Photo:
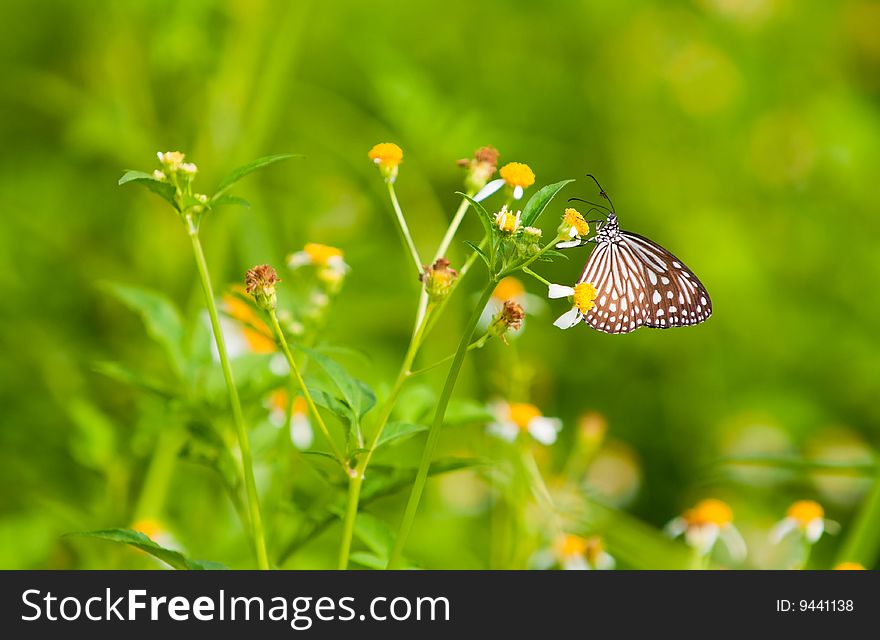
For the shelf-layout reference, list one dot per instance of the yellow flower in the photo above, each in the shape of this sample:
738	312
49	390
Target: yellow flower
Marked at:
256	334
573	227
171	160
508	288
849	566
438	279
387	156
577	552
516	417
149	527
806	516
322	254
583	294
507	221
517	174
704	524
328	260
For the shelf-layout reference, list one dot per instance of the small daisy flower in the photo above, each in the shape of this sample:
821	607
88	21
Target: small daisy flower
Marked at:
517	176
387	156
704	524
301	433
329	262
806	517
575	552
170	160
515	417
480	168
573	227
849	566
508	221
583	295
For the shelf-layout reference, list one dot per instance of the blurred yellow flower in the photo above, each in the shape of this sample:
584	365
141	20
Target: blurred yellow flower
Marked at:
576	552
849	566
508	288
301	433
806	516
517	176
704	524
255	332
513	418
387	156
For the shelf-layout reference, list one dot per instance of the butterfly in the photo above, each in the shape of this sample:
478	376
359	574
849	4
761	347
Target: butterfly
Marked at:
638	283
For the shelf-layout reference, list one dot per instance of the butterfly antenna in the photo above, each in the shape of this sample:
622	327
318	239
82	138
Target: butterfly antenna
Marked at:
602	192
594	204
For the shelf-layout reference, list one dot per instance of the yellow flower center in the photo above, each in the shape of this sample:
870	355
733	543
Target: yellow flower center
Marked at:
300	406
279	400
569	545
804	512
584	295
386	154
517	174
321	254
507	221
710	511
574	219
522	413
849	566
508	288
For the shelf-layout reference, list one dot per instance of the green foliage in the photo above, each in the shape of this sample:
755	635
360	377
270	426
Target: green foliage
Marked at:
538	202
240	172
174	559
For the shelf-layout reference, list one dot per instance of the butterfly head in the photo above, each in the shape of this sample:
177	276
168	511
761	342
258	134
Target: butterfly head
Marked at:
607	231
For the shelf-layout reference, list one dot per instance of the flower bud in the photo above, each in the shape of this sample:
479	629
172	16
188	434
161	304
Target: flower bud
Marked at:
510	318
480	168
260	282
438	279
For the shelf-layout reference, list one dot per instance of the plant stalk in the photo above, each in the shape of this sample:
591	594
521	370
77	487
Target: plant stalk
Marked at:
253	503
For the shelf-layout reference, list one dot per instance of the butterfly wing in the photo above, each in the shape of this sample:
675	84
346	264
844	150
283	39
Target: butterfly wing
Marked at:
639	283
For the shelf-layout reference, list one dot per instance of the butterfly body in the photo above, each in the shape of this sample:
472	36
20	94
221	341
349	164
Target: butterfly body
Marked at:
640	284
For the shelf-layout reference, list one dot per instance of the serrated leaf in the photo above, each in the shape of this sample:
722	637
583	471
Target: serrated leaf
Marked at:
163	189
175	559
538	202
354	392
394	432
237	174
160	316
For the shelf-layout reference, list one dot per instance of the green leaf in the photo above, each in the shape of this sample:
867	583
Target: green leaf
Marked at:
394	432
484	216
231	200
94	441
374	533
119	373
478	251
161	318
165	190
175	559
355	393
237	174
538	202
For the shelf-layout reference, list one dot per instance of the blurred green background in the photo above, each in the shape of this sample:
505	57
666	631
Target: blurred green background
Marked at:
741	134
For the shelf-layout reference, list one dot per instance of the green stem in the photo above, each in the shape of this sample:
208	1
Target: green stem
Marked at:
294	369
862	545
155	487
404	229
256	521
434	432
541	279
453	228
525	264
355	481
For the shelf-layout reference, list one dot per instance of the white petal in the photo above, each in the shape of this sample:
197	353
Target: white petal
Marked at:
675	527
276	416
604	562
734	542
337	263
298	259
782	529
575	563
491	187
814	530
278	365
568	245
702	537
504	430
301	431
573	233
559	291
517	192
544	429
568	319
